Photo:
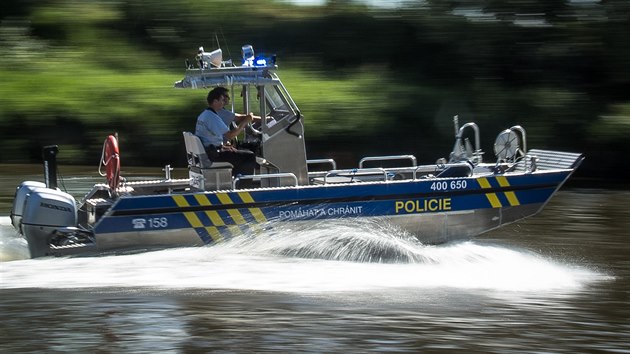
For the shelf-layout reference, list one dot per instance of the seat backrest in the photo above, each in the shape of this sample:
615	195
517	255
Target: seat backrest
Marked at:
197	156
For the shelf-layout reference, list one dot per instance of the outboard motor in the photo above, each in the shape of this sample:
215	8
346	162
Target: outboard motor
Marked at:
49	153
45	211
39	209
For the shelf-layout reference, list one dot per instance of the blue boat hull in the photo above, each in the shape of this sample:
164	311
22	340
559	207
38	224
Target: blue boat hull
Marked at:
434	210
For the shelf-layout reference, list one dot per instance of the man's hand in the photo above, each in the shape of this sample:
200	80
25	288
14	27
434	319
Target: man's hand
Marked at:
227	147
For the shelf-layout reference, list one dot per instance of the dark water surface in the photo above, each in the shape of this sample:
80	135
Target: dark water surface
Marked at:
555	283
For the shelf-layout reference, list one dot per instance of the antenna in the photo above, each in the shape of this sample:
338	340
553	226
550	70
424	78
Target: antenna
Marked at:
225	40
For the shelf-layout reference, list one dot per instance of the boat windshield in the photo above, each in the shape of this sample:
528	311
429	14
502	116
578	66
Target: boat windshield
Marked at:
278	105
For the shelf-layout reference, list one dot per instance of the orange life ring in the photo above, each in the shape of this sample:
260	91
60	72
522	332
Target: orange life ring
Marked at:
111	161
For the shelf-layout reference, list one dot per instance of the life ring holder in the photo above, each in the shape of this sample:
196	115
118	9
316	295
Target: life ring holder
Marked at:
110	158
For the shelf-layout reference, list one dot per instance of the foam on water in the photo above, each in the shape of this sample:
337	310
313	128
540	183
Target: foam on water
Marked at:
319	259
12	247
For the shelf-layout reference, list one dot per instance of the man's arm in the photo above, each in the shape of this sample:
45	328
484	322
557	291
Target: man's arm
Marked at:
244	120
238	117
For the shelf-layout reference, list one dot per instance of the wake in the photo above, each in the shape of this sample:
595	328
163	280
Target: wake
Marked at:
330	258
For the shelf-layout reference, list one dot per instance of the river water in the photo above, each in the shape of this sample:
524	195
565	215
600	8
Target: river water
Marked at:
555	283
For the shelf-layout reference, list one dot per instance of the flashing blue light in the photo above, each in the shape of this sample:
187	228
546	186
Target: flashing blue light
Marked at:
258	61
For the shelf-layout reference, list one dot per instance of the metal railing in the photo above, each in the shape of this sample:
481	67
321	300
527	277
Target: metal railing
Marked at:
332	162
388	158
354	172
265	176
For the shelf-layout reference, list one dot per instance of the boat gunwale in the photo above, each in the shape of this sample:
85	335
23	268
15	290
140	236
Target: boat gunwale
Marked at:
328	200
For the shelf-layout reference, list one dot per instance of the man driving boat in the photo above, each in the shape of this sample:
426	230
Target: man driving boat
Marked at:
215	135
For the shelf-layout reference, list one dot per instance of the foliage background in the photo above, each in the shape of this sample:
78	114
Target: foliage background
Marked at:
369	81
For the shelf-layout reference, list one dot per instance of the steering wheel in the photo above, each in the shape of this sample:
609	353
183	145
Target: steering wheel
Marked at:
251	130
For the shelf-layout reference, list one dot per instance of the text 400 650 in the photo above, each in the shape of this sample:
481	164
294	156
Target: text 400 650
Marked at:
444	185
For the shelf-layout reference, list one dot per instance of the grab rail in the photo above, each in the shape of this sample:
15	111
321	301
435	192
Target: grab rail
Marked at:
461	149
332	162
389	158
265	176
357	172
523	136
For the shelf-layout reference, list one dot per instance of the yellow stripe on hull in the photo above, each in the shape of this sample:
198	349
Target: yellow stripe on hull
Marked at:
493	198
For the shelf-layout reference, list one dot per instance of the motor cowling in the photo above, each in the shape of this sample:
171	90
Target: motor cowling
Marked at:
44	211
22	191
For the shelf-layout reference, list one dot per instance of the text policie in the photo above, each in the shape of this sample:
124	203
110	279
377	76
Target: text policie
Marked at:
421	206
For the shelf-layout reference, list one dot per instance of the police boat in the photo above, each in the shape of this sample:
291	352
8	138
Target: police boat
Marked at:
452	199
